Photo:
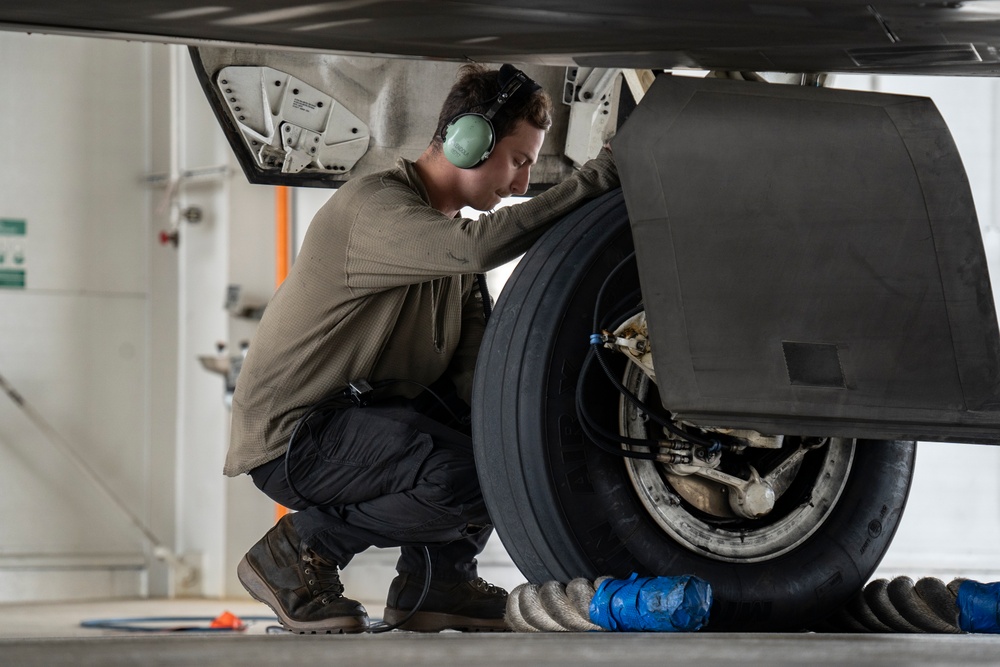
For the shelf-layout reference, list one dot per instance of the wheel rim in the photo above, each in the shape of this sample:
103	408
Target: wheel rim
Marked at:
734	540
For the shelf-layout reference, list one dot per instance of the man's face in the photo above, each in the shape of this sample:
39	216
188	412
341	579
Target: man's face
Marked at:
507	169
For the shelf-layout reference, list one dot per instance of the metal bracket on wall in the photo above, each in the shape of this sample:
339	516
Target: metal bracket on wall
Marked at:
173	183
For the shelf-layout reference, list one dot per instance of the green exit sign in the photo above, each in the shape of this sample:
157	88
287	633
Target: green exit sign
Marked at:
13	227
12	278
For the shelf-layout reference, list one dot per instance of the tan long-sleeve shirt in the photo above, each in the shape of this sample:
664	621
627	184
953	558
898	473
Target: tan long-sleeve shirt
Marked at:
383	288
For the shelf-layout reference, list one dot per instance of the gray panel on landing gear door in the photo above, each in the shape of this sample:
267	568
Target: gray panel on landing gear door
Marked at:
811	262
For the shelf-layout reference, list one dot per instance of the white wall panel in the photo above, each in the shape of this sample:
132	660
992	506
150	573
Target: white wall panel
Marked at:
75	136
74	342
202	264
251	266
162	333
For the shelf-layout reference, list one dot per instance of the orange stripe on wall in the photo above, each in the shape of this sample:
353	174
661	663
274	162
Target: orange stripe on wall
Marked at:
282	255
282	232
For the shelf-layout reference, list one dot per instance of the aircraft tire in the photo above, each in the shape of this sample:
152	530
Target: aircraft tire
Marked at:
564	508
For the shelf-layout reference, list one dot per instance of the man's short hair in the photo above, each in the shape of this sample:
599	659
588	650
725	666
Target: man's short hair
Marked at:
477	88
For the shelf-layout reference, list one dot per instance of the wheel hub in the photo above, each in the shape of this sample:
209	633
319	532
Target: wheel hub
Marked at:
719	505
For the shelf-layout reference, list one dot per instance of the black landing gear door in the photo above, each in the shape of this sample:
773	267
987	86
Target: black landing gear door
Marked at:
811	262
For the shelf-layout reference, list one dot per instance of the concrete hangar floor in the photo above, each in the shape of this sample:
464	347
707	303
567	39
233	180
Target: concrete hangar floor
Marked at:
51	634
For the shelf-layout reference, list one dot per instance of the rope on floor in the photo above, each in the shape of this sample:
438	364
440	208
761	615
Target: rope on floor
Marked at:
552	607
897	605
900	605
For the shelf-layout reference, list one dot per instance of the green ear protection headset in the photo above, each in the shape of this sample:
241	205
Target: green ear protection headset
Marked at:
469	138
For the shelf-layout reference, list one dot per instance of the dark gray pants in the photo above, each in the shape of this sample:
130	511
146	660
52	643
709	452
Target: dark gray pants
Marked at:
383	475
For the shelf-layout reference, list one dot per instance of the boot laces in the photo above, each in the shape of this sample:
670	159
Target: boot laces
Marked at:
486	587
322	578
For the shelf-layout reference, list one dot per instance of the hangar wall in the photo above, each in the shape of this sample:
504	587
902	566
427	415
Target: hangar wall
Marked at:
100	324
74	340
102	338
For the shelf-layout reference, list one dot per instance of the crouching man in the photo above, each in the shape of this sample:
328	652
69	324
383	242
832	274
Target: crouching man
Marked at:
385	298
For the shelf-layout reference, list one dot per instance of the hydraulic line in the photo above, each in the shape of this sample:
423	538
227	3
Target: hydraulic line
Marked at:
609	322
613	442
663	421
607	440
607	281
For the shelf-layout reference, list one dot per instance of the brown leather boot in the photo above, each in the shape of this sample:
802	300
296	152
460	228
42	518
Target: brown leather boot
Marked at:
302	589
469	606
